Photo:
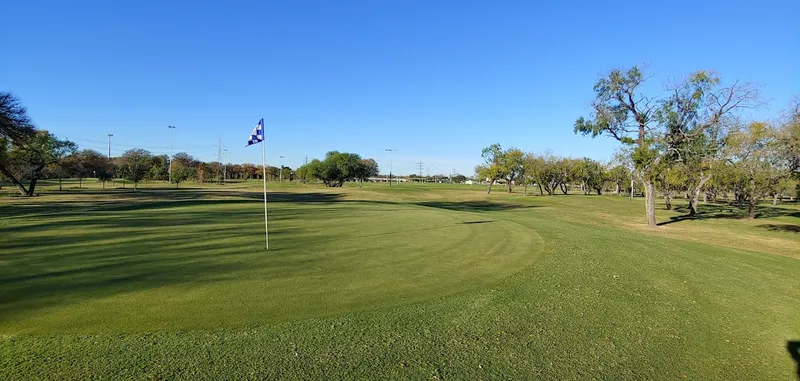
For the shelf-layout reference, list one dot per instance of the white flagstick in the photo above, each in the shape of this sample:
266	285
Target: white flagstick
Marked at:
264	176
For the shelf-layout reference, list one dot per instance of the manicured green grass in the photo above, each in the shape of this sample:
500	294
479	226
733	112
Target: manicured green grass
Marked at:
414	281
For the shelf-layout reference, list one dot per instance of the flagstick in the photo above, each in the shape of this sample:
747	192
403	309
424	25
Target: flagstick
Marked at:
264	176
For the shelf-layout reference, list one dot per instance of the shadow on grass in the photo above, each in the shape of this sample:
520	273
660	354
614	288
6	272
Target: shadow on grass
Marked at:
473	206
728	211
794	350
153	199
66	250
781	227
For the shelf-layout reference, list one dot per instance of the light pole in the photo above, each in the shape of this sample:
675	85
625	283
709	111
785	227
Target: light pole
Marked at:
280	176
170	152
391	151
109	145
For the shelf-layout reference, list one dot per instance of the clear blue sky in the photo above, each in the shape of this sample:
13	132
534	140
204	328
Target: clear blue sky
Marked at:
436	80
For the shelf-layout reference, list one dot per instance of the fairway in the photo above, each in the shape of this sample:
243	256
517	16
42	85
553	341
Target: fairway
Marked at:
416	281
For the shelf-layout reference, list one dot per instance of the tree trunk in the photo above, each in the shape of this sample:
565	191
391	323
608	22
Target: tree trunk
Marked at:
694	194
564	188
489	189
508	183
598	191
705	197
775	199
617	189
134	185
751	209
693	199
104	184
22	190
650	202
540	190
32	185
525	192
667	201
59	183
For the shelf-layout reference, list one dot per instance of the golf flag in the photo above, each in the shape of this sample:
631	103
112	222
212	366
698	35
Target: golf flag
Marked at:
257	136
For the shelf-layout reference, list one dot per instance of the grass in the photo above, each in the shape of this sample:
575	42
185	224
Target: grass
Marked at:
413	281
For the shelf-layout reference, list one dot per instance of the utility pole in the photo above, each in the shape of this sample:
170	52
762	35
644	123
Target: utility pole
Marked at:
219	160
170	152
109	145
280	176
391	158
225	165
420	168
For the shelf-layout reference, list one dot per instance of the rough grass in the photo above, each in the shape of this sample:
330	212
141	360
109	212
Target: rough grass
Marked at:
416	281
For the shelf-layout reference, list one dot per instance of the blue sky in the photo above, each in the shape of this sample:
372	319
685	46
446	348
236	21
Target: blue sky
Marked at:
436	80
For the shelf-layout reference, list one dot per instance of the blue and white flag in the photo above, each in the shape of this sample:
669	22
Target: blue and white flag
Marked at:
257	136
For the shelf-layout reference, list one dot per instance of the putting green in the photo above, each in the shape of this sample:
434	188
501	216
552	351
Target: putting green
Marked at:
147	266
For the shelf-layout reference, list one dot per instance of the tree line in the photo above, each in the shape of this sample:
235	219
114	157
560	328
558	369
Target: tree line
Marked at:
691	139
29	154
551	174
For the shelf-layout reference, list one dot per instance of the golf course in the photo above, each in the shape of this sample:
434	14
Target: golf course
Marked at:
412	281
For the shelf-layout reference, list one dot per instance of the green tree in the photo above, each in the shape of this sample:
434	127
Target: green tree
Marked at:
15	125
57	171
789	137
513	166
565	172
620	176
549	174
181	171
757	165
660	127
304	173
590	173
29	156
73	167
105	173
159	168
14	121
135	165
670	178
459	178
532	170
337	168
492	169
86	163
367	168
